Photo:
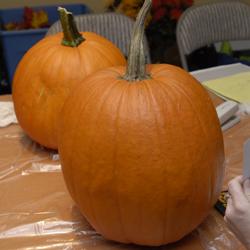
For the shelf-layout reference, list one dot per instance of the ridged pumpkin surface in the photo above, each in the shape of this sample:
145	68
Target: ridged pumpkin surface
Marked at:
142	160
47	74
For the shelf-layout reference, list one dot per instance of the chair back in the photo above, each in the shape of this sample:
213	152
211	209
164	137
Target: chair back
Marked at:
209	23
115	27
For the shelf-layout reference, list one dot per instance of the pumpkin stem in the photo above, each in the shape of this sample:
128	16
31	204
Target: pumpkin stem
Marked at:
72	37
136	67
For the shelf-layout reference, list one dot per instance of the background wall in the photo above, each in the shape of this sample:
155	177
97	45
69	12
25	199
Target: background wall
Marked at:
95	5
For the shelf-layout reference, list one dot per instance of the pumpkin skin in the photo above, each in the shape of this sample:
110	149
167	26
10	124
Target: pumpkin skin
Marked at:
46	75
142	160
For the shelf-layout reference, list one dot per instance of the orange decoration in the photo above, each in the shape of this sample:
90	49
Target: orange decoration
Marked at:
142	149
50	70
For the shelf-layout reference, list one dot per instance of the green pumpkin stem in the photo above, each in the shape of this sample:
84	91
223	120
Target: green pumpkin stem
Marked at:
72	37
136	67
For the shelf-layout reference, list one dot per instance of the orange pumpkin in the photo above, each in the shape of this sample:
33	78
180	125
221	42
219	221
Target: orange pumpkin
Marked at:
50	70
142	154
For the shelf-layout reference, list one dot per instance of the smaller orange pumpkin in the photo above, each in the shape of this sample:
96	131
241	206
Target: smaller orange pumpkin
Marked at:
50	70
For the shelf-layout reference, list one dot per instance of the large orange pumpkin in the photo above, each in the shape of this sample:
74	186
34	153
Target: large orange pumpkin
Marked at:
50	70
142	150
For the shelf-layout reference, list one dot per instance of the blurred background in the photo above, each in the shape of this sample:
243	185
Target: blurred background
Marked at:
25	22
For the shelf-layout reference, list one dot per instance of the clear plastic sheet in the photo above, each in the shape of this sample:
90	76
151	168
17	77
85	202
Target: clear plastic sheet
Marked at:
36	211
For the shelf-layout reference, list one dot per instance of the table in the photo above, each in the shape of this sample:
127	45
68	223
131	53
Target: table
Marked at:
36	211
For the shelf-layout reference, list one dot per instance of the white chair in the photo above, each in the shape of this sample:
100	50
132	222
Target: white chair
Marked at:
209	23
115	27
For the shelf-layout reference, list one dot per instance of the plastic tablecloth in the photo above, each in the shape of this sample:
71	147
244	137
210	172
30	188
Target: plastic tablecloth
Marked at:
36	211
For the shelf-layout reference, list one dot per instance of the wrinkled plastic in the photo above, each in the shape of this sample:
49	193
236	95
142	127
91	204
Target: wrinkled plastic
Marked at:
215	236
36	211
